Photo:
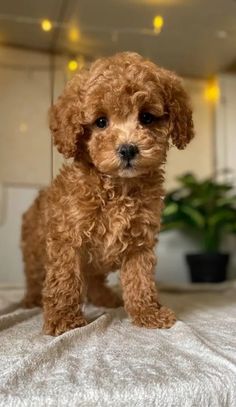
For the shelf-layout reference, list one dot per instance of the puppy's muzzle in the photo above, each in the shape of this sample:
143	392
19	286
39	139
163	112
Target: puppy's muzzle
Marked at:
128	152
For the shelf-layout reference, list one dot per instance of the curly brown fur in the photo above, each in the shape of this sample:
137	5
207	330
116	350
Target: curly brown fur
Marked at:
102	212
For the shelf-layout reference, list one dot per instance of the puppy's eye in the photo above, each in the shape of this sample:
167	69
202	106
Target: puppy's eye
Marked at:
102	122
146	118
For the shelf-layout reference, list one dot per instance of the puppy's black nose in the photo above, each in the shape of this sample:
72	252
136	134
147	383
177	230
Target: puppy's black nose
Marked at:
128	151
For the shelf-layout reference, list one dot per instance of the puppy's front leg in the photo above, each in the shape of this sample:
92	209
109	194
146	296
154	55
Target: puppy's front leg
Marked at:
140	293
64	289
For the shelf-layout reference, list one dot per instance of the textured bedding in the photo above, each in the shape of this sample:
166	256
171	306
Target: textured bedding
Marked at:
112	363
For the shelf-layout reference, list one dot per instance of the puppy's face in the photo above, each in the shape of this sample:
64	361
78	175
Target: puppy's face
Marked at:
128	125
123	111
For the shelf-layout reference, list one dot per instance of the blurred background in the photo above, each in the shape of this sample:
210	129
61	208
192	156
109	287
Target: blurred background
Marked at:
43	43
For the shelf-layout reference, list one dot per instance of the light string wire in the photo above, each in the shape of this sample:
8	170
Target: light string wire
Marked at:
86	29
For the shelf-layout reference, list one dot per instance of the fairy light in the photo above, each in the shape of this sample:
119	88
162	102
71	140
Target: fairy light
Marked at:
212	91
75	64
74	34
158	23
72	65
46	25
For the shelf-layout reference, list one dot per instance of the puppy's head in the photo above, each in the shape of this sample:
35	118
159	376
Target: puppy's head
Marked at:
121	115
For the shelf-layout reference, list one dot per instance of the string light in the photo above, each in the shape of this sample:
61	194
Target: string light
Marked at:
74	34
72	65
158	23
46	25
212	91
76	64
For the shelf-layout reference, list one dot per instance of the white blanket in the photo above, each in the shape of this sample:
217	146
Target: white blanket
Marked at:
113	363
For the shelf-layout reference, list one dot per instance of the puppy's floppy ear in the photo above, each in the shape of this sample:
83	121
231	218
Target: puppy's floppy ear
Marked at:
65	116
179	110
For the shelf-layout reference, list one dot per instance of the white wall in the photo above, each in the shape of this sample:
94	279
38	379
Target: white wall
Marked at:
25	97
225	124
25	147
18	199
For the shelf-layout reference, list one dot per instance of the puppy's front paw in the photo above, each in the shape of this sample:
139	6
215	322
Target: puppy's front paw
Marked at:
57	328
153	317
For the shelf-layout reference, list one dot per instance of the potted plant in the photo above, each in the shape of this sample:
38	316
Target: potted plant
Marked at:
206	210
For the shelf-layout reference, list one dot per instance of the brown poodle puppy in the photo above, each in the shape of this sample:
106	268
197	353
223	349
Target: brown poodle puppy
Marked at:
102	212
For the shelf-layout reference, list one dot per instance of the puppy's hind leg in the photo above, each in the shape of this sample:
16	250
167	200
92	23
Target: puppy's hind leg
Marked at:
33	249
33	267
99	294
35	275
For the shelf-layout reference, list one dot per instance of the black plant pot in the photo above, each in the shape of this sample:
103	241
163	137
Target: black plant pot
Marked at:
208	267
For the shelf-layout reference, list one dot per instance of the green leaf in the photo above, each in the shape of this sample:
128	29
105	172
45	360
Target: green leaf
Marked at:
227	200
170	209
195	216
206	208
222	216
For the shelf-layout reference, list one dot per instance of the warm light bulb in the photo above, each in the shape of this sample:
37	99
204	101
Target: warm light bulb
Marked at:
46	25
72	65
212	92
158	23
74	34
